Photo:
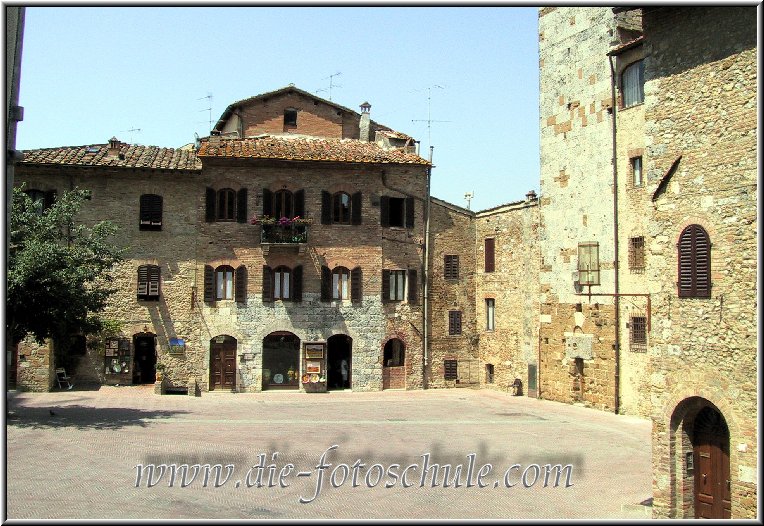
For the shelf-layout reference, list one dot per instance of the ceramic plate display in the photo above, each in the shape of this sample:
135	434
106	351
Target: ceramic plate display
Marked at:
278	378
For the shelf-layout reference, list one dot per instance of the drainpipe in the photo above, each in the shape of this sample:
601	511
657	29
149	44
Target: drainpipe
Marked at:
426	309
616	297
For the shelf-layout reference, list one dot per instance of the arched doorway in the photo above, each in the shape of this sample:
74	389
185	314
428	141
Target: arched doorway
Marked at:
711	459
394	364
281	361
144	358
339	362
223	362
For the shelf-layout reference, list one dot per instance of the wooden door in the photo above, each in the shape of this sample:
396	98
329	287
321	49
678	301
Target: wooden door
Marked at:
712	473
223	365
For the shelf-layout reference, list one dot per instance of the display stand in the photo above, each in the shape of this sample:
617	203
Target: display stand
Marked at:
314	367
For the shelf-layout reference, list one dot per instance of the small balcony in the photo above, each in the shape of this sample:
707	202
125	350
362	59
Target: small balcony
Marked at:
284	234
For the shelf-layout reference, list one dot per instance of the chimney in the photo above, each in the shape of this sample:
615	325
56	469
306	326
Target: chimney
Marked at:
114	146
365	123
530	196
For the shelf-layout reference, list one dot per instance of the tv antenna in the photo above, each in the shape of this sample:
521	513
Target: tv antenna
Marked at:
130	131
468	197
209	99
331	84
429	119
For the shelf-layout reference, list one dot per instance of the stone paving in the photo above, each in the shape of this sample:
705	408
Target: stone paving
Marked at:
80	462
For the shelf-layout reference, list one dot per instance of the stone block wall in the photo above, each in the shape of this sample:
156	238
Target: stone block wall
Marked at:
701	89
35	368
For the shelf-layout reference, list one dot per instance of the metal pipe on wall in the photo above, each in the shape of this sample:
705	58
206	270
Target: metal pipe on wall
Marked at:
616	297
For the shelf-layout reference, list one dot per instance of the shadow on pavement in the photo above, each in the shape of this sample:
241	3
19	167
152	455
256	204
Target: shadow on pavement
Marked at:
83	417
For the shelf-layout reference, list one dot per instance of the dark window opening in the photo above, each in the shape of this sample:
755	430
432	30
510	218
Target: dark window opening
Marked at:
283	204
396	211
489	373
454	322
451	267
450	369
150	212
490	254
226	205
341	208
394	353
290	117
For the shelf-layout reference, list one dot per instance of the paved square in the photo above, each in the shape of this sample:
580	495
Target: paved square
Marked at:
81	461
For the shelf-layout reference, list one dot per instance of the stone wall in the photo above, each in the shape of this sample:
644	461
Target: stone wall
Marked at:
35	368
701	92
512	344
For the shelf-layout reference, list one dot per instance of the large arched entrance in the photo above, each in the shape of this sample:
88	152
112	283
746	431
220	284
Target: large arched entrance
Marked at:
144	358
223	363
711	458
281	361
339	361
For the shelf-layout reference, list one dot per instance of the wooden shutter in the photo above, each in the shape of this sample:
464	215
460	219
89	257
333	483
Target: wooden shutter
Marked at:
385	286
151	210
409	212
326	284
356	285
209	214
384	210
413	287
326	208
454	322
267	284
154	279
297	283
490	254
355	208
299	203
241	206
209	284
450	370
267	202
451	267
694	263
241	284
143	280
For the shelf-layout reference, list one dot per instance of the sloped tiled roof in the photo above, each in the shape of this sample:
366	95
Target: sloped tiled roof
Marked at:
129	156
307	149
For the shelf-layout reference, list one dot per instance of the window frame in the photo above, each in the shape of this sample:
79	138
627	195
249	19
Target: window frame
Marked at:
283	199
640	87
585	251
290	117
338	218
454	323
341	283
397	283
638	333
281	276
226	291
637	254
490	314
633	162
225	201
451	267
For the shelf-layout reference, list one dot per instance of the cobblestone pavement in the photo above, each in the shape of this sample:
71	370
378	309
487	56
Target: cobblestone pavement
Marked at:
80	462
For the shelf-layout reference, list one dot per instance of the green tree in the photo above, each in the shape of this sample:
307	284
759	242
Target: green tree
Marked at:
58	270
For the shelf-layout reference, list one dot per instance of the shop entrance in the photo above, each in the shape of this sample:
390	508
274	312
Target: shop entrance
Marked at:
223	363
339	361
144	359
281	361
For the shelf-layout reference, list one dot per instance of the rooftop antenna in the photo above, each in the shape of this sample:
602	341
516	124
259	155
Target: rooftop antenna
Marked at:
468	197
331	84
130	131
429	120
209	98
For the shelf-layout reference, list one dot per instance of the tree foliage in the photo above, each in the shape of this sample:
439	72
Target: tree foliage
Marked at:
58	270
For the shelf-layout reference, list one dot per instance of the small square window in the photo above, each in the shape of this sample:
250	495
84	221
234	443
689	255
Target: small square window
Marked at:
290	117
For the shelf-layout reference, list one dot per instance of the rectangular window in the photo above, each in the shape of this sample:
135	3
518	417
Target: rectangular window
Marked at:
290	117
397	284
454	322
397	210
490	256
588	263
150	212
638	333
490	307
637	254
636	171
340	278
633	84
450	370
148	282
451	267
224	283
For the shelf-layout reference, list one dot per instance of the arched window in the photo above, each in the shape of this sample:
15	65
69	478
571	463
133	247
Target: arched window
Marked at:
340	281
226	205
283	204
282	283
694	263
224	283
341	208
395	353
633	84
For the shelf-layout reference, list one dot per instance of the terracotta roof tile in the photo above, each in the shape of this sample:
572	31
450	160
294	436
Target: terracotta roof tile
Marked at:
307	149
129	156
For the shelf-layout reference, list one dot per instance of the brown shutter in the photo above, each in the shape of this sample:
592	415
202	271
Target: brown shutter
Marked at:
297	283
241	284
267	284
694	263
143	280
356	289
385	286
241	206
154	279
355	208
209	215
490	254
267	202
413	287
209	284
384	210
702	250
299	203
326	208
409	212
326	284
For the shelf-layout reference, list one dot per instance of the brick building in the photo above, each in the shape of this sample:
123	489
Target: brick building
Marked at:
648	237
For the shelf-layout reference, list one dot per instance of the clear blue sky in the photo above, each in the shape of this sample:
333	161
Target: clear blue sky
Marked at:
90	73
